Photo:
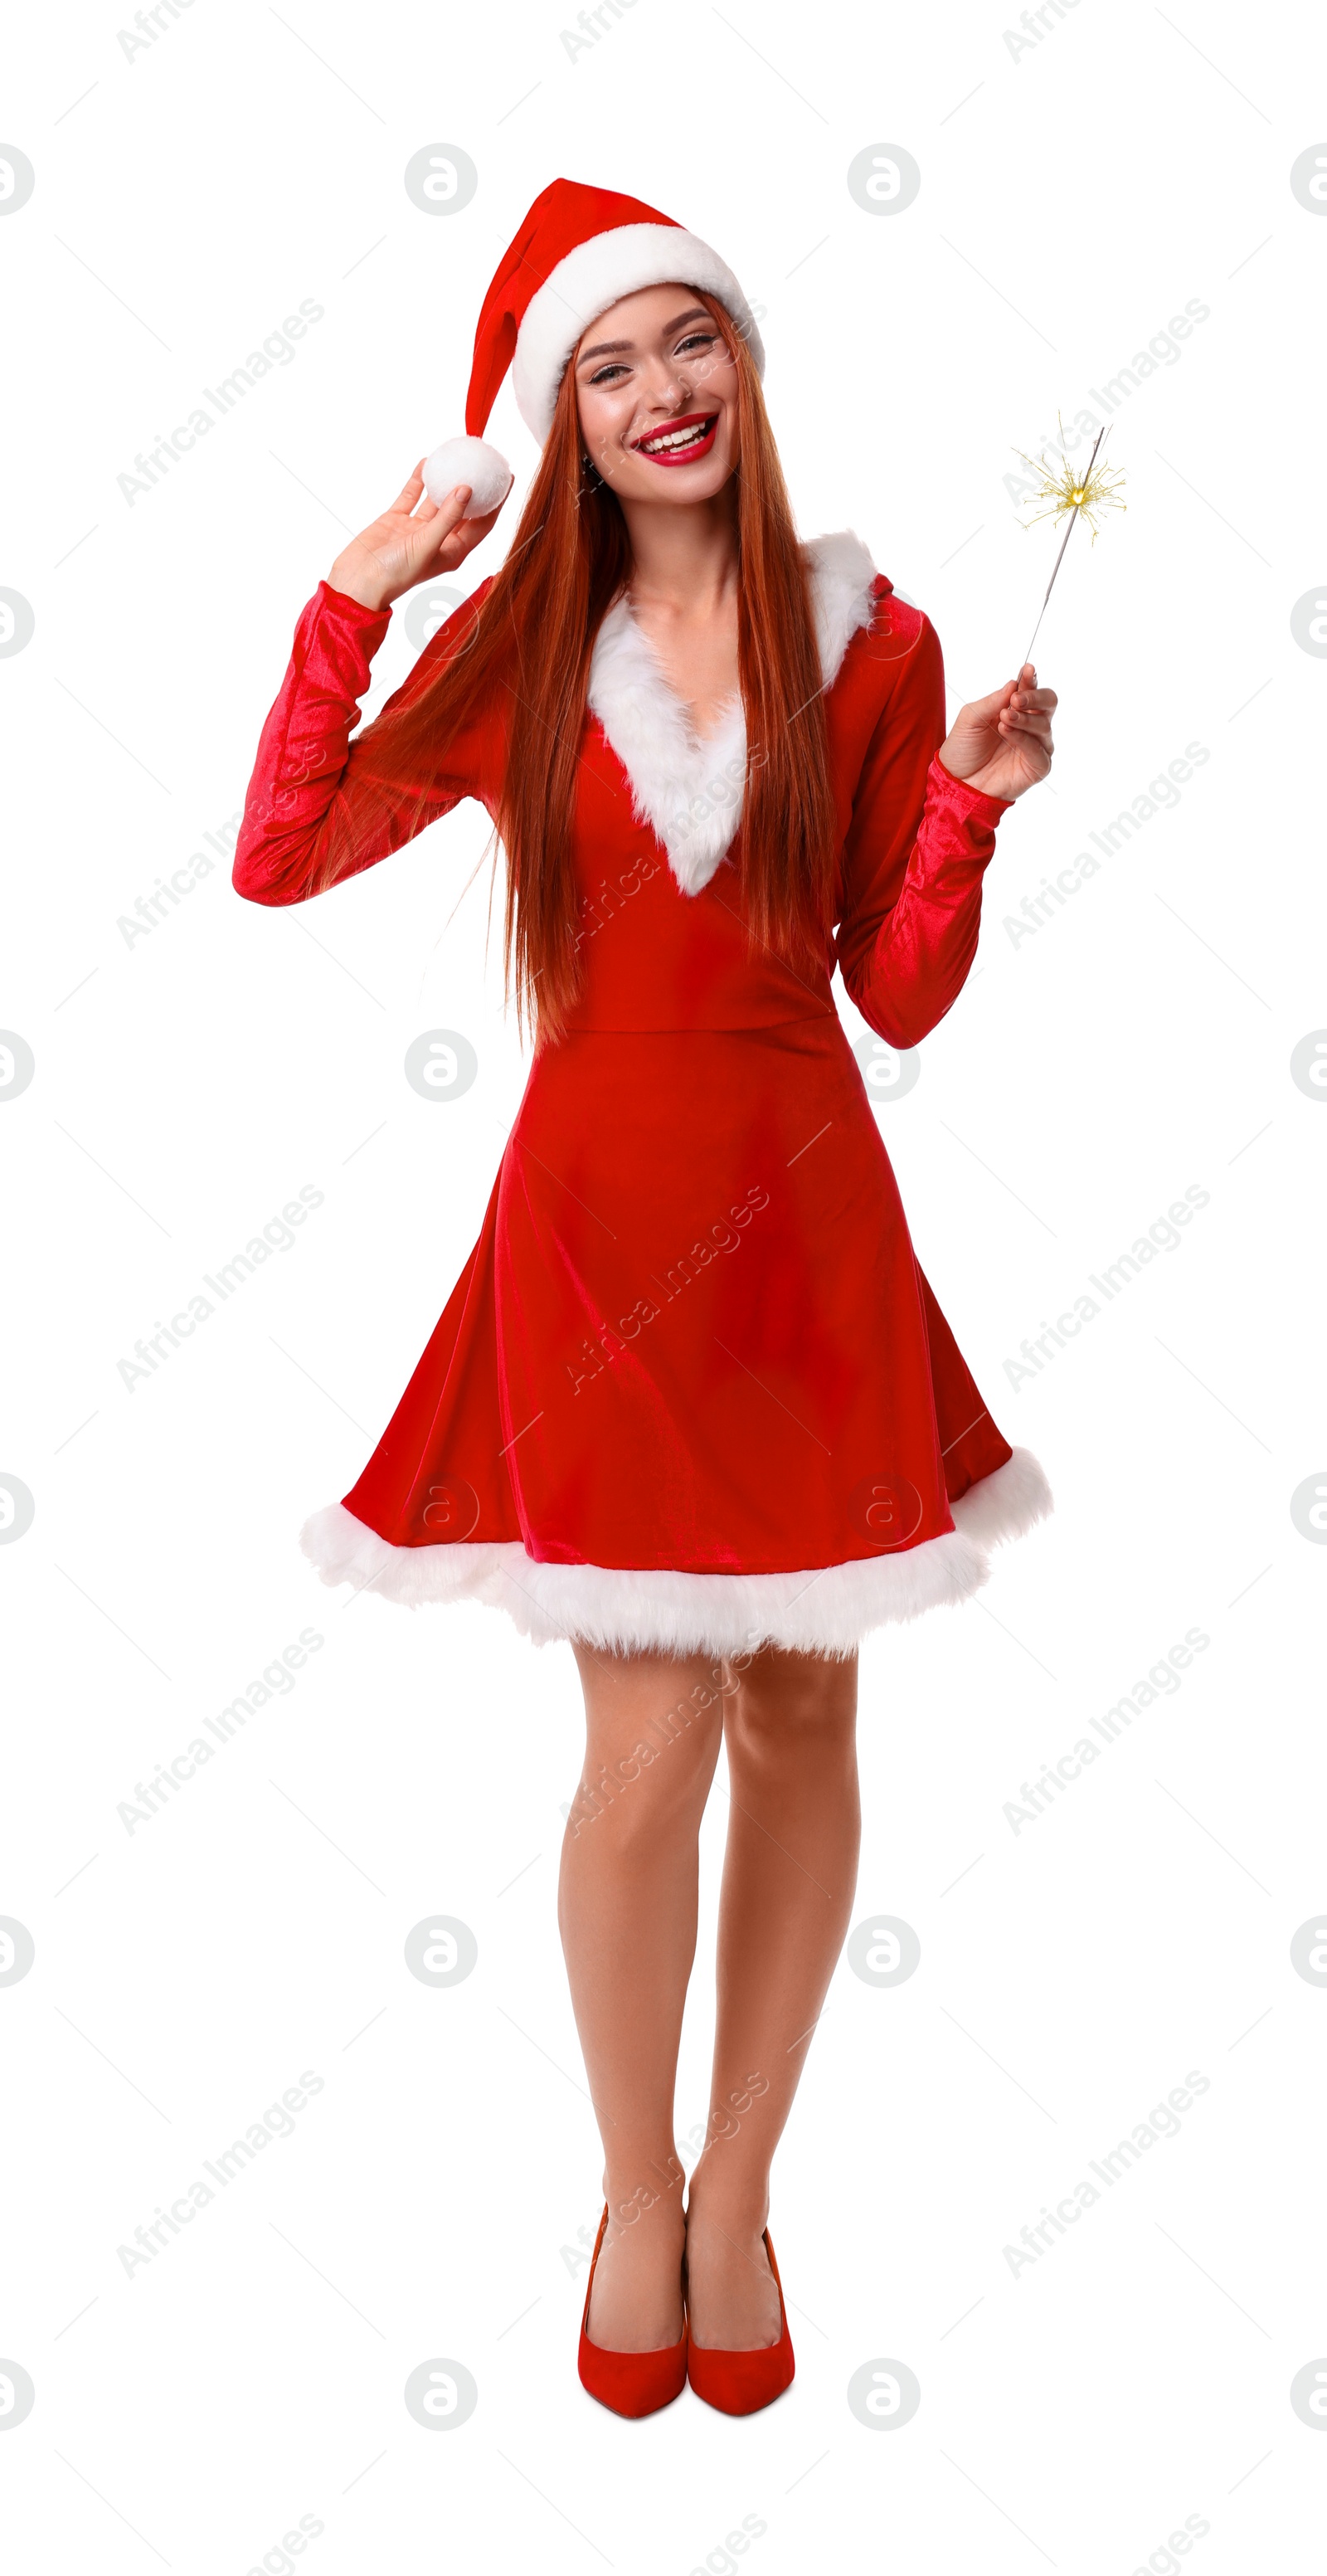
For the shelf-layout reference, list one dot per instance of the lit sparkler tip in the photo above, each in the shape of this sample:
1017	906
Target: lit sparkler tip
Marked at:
1071	495
1064	490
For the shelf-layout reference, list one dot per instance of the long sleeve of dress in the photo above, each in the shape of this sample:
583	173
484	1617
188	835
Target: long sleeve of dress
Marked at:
914	858
319	807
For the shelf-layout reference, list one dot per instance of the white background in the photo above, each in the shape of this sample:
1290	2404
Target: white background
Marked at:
1074	196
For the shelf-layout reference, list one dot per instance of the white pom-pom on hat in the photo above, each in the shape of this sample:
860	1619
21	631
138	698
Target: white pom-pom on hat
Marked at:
472	461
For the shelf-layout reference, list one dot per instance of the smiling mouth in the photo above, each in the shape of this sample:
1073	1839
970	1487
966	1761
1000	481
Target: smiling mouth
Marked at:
678	442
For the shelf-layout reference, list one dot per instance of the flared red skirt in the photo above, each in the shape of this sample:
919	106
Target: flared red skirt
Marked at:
691	1391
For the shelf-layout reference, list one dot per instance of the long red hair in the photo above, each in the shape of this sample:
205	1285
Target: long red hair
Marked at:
531	642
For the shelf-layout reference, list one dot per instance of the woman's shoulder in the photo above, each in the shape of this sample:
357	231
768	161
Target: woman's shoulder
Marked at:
864	626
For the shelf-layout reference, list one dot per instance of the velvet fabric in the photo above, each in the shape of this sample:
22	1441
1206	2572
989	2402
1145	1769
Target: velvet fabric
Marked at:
693	1335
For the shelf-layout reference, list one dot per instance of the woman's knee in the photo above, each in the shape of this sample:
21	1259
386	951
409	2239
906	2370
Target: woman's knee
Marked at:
783	1700
647	1796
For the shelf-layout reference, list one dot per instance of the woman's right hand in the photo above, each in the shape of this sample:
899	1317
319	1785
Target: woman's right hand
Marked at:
411	542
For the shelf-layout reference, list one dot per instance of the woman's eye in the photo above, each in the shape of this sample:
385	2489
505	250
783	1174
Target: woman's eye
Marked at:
606	375
695	340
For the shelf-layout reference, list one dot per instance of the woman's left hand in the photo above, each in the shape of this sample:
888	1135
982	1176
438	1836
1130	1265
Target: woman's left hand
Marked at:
1002	744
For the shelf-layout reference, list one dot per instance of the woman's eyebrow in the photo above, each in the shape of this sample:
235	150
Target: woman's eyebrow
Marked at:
614	348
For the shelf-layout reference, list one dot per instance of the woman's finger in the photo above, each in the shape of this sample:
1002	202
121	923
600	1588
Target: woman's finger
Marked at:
410	492
462	540
983	710
483	525
454	504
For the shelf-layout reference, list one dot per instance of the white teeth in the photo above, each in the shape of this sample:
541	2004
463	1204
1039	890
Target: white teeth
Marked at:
678	437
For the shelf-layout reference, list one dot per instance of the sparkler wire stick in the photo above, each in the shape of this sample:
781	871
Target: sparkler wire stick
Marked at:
1067	535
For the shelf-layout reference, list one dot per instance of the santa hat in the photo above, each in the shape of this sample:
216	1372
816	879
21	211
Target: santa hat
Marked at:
578	251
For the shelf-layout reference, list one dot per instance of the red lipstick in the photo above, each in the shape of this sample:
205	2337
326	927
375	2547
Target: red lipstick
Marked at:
691	436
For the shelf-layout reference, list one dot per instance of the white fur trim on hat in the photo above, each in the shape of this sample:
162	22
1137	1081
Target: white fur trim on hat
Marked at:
472	461
599	273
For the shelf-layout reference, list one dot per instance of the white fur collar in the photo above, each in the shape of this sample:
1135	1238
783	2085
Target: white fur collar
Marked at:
689	789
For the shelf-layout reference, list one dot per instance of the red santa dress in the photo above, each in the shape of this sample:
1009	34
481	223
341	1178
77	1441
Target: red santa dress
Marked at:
692	1391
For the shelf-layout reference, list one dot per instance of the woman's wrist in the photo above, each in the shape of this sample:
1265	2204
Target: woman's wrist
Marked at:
969	777
355	582
992	796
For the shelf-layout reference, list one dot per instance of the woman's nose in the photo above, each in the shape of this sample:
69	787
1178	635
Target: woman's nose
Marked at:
664	384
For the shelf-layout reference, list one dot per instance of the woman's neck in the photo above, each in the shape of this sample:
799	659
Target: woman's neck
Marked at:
684	561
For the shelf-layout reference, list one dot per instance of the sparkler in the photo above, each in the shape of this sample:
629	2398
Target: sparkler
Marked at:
1061	488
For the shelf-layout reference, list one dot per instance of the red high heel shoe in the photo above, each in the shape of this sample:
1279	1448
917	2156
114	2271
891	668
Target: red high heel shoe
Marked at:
631	2383
740	2383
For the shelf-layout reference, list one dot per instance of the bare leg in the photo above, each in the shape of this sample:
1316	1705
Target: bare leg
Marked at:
790	1872
627	1913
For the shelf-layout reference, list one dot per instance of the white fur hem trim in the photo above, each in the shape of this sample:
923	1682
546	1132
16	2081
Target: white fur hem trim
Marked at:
825	1611
689	788
598	273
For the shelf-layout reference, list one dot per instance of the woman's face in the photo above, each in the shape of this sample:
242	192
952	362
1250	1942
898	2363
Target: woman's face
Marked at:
656	390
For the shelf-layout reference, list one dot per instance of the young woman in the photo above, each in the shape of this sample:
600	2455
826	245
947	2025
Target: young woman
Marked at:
692	1404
